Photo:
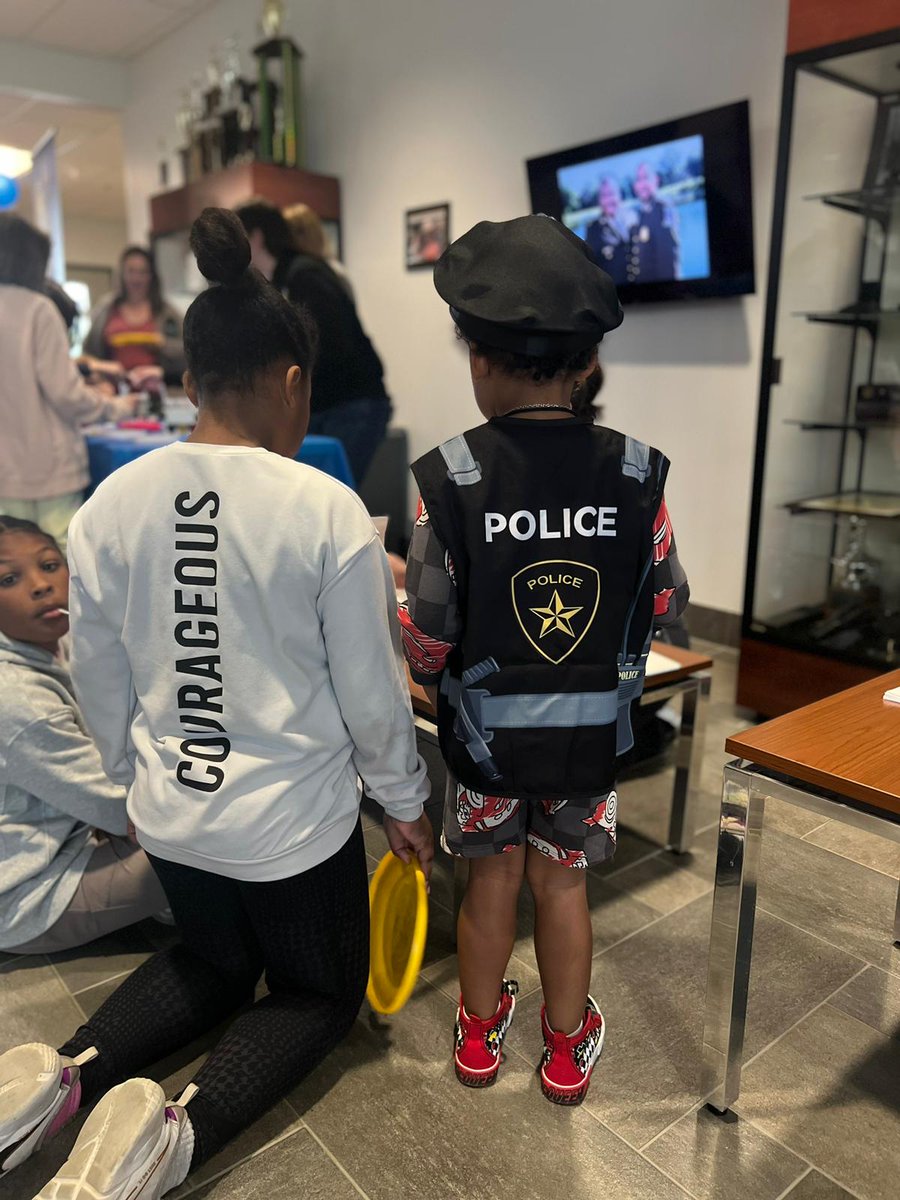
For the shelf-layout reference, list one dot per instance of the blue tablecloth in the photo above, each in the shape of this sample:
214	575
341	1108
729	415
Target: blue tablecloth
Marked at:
109	451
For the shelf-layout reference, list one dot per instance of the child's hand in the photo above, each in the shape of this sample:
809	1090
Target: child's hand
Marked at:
398	570
138	376
408	838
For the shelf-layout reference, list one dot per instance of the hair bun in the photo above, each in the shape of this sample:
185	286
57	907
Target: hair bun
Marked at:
220	246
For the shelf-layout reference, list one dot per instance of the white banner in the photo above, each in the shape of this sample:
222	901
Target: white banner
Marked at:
47	203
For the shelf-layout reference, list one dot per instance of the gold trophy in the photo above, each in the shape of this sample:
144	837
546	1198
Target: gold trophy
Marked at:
271	22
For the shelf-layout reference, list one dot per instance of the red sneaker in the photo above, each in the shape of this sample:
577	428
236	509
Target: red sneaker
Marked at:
568	1061
479	1043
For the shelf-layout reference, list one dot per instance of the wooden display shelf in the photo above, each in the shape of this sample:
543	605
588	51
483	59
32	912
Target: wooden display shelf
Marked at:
775	679
176	210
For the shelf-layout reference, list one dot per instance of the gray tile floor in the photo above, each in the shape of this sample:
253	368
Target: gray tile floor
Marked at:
819	1115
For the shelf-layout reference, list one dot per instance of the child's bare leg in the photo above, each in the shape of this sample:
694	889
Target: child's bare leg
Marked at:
563	940
486	930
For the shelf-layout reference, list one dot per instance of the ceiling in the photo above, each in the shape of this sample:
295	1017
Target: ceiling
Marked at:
89	140
103	28
89	151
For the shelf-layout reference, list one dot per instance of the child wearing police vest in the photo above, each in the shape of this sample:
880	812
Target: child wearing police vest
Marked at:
541	559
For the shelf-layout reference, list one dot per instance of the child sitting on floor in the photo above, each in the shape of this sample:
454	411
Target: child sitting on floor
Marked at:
70	873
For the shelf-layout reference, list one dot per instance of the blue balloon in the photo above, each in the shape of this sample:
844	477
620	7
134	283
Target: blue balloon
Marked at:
9	192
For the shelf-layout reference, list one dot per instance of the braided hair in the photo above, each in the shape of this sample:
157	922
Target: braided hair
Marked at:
242	325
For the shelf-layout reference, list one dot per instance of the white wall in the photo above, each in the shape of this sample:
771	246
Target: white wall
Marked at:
91	243
418	103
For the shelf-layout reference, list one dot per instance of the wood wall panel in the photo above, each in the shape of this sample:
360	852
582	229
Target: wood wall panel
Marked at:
813	23
776	679
178	209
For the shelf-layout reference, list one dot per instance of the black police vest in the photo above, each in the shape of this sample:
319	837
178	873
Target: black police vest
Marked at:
549	525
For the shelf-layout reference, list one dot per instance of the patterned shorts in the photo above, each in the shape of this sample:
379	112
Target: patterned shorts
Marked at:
574	833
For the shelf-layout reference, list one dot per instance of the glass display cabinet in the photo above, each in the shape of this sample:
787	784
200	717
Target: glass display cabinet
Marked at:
822	601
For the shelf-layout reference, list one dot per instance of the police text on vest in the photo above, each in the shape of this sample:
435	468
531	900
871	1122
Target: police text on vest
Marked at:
587	522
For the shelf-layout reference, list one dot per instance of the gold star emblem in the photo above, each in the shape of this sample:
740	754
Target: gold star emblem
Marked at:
556	616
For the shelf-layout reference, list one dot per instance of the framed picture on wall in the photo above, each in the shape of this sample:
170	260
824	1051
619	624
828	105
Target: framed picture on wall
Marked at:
427	235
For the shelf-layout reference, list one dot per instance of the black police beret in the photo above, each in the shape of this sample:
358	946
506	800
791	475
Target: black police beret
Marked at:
529	286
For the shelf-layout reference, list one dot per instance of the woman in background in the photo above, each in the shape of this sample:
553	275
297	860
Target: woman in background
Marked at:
136	332
349	399
310	238
43	399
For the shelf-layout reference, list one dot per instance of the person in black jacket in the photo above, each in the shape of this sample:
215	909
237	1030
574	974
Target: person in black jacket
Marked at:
349	400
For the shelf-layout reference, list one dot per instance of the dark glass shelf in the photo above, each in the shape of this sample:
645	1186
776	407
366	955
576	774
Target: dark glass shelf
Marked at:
857	426
878	505
874	202
867	318
871	639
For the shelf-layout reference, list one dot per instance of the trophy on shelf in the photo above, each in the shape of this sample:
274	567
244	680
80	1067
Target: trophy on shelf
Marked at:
163	163
196	108
271	23
238	123
227	119
281	133
856	576
208	128
184	125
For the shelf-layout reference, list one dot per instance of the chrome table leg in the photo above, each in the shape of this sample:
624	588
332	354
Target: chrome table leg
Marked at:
731	935
688	764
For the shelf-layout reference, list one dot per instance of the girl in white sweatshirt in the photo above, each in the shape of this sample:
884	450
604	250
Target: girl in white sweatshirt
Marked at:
236	655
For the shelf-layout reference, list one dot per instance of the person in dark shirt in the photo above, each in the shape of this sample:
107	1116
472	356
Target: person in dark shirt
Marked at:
654	253
610	235
349	399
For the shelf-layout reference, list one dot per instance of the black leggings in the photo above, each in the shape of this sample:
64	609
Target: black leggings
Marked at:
309	933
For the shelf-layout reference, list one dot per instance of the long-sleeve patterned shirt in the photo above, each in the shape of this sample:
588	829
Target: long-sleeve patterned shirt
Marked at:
430	619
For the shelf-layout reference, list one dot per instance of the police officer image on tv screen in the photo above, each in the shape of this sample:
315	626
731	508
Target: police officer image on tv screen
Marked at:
642	213
666	211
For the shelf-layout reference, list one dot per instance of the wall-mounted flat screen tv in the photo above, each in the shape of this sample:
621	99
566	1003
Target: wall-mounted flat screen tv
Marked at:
666	210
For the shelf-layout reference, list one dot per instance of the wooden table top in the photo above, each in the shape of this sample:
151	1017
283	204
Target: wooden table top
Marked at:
688	663
848	743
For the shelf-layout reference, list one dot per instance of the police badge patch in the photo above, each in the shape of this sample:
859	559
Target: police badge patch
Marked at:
555	603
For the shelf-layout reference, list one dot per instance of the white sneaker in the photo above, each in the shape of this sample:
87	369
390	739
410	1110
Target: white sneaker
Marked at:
130	1148
40	1092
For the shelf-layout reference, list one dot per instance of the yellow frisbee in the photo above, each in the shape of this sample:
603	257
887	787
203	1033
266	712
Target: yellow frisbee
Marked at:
398	903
